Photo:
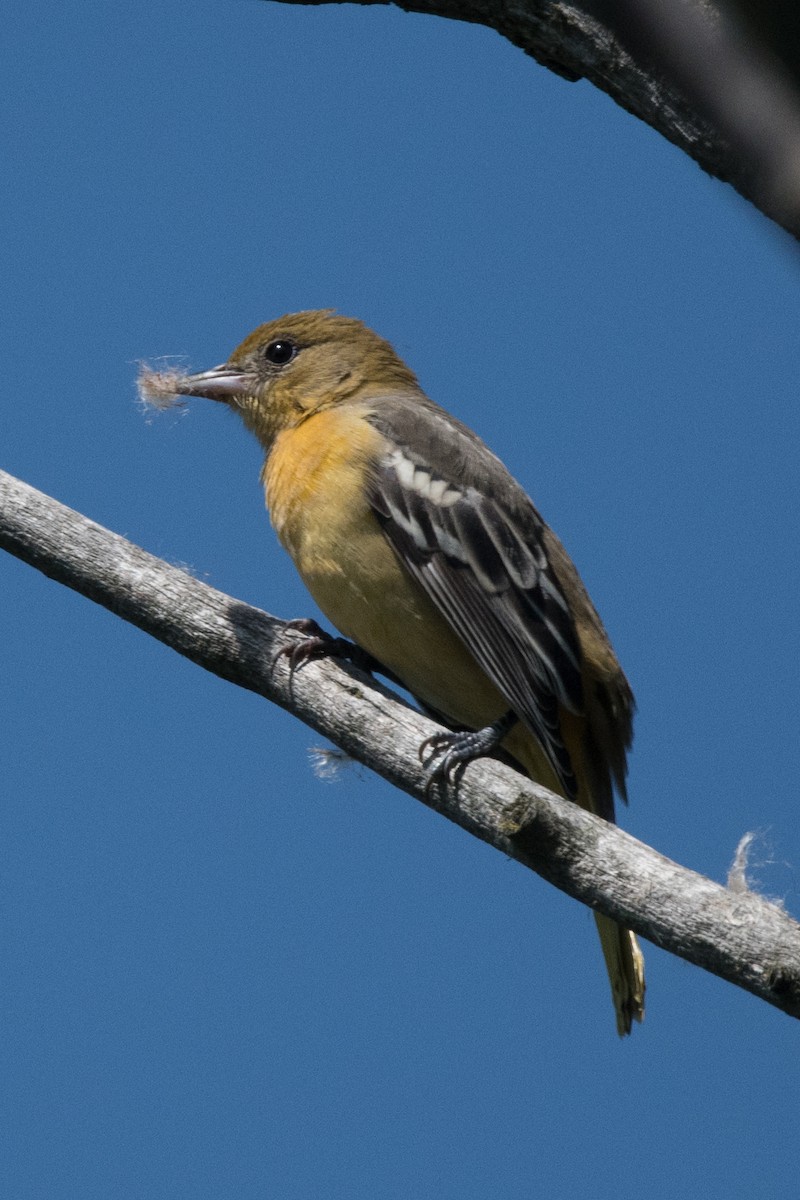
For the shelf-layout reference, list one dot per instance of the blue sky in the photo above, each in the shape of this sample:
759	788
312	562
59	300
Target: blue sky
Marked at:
219	975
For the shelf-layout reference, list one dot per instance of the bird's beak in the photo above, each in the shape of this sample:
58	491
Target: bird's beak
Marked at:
222	383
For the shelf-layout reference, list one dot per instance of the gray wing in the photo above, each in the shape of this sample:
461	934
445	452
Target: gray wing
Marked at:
466	531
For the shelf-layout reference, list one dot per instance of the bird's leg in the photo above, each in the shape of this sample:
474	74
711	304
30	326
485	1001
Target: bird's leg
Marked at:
445	755
314	642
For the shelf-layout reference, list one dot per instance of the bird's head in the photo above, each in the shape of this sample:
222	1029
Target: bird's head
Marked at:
288	369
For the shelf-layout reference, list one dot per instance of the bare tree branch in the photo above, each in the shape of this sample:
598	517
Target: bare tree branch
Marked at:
734	81
735	934
682	66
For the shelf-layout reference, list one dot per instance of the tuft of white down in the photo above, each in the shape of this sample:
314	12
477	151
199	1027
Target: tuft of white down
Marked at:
160	389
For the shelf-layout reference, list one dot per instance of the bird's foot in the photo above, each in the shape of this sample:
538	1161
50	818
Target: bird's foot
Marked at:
445	755
314	642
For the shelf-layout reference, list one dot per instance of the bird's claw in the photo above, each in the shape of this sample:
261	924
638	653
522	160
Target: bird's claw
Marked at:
446	755
314	642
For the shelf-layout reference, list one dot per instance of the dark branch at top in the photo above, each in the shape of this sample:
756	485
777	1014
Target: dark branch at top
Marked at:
704	82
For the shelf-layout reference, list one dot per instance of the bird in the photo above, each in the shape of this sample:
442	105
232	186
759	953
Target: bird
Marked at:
420	547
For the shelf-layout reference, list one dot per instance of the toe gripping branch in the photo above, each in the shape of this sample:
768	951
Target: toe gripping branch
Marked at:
314	642
445	755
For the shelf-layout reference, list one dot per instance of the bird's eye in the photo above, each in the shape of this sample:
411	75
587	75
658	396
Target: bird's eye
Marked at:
280	352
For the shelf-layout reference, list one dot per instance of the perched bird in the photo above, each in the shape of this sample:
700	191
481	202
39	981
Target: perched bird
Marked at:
418	545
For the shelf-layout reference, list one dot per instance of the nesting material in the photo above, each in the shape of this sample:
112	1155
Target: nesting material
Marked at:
328	762
161	388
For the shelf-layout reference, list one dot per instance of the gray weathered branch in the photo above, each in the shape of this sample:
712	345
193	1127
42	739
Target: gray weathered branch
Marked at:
687	68
737	935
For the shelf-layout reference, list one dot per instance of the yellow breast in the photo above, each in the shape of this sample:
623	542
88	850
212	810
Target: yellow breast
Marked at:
314	483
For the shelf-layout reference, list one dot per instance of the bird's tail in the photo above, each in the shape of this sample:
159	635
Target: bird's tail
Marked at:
625	966
624	959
